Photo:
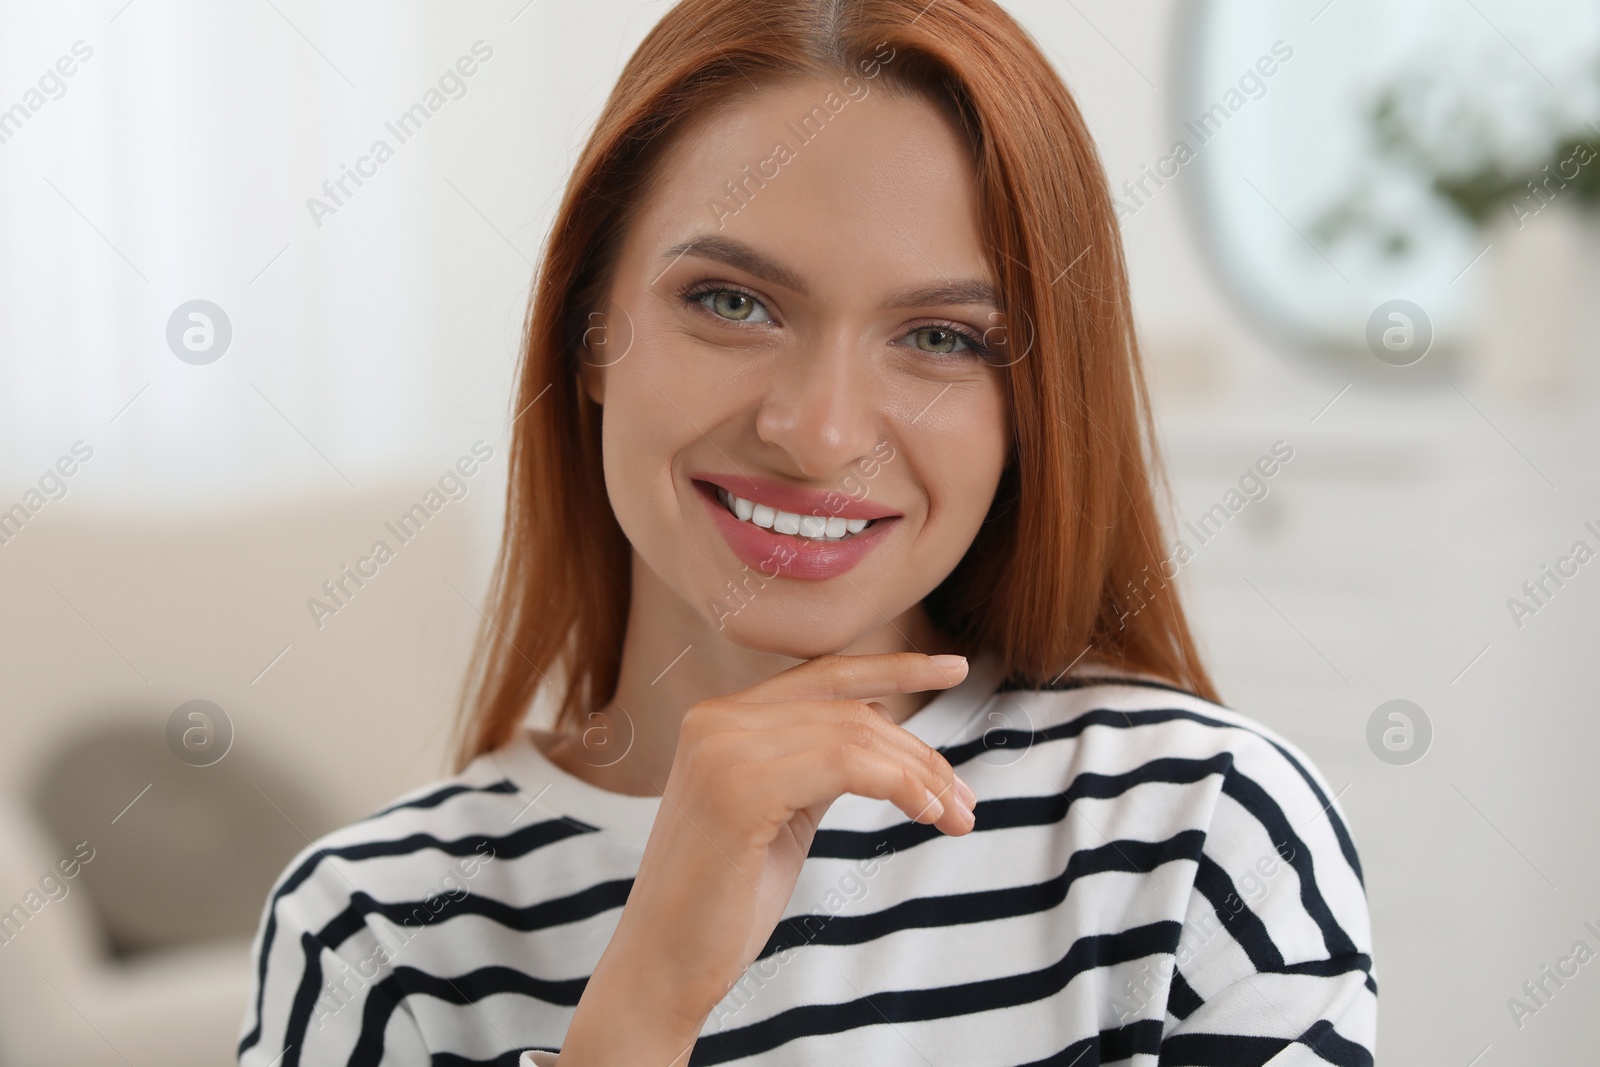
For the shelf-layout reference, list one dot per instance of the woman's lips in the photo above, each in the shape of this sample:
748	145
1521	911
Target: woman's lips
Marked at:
784	497
787	555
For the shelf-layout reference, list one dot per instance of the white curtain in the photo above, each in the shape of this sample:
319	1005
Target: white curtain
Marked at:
373	336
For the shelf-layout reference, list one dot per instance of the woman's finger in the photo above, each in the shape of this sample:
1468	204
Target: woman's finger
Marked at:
836	676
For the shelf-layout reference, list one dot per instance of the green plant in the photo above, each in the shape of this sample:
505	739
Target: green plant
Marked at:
1455	158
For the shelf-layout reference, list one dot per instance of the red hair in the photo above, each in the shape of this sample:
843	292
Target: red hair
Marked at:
1072	537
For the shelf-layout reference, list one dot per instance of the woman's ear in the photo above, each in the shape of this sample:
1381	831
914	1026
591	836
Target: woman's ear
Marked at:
591	358
591	375
602	345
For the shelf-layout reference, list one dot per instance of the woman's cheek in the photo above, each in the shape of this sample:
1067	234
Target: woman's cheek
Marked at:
633	444
655	417
962	461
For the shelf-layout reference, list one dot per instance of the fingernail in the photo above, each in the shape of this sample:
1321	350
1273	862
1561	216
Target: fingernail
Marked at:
954	663
964	791
935	805
970	817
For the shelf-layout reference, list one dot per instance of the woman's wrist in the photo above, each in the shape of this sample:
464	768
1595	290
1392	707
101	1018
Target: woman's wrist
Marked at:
629	1016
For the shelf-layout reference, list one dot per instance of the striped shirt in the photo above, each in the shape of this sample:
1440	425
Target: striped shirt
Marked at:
1152	879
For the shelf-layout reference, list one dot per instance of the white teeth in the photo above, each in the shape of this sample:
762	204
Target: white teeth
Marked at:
812	527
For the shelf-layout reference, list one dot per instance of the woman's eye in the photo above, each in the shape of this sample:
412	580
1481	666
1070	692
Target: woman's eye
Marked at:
734	306
942	340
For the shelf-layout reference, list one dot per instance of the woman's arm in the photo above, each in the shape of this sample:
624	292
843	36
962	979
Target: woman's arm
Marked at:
627	1017
753	775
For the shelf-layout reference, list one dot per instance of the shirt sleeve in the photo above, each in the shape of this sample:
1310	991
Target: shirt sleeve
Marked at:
1274	960
328	1007
535	1058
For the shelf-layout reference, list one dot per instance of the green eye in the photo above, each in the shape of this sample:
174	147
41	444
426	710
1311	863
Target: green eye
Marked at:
732	305
942	340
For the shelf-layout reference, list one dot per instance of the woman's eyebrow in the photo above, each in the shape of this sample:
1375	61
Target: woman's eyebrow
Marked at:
736	253
970	291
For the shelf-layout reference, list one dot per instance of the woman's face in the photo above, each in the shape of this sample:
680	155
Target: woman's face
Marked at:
802	324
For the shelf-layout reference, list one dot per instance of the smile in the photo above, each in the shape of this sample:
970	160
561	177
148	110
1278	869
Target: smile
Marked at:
811	527
778	541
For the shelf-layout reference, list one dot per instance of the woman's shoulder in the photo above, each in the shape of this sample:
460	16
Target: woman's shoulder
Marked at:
1153	716
1138	728
419	840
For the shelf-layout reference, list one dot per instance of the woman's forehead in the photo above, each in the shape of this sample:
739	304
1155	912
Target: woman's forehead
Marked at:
807	172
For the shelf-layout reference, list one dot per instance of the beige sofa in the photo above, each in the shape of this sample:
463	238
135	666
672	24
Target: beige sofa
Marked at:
141	955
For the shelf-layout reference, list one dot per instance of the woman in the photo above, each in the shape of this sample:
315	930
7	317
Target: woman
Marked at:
830	479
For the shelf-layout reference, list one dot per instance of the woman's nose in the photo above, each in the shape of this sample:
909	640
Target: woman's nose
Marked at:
823	406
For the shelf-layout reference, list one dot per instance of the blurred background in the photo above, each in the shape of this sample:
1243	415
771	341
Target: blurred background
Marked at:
1363	233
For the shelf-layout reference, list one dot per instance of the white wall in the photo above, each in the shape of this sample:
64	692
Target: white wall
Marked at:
1379	567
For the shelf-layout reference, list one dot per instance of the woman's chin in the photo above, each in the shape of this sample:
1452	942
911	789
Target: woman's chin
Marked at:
796	638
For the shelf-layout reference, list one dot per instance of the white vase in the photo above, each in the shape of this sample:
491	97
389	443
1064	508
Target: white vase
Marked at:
1536	324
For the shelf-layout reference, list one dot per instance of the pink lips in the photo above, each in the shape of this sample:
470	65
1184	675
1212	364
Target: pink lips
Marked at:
775	554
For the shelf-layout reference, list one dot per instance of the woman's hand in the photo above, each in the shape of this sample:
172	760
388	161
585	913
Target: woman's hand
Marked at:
753	775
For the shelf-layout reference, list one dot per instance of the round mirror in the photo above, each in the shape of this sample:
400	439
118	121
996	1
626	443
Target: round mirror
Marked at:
1349	163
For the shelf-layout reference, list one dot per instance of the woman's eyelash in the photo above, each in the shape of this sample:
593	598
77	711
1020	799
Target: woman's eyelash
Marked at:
692	294
974	342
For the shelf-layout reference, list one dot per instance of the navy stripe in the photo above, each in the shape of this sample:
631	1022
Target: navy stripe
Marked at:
1358	961
940	1002
1220	1050
1259	803
510	846
1212	882
574	907
385	996
439	796
1182	1000
1334	1047
305	998
1229	1050
1010	812
954	909
505	1059
1108	1046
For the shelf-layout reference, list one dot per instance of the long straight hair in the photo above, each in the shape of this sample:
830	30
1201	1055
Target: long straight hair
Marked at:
1067	562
